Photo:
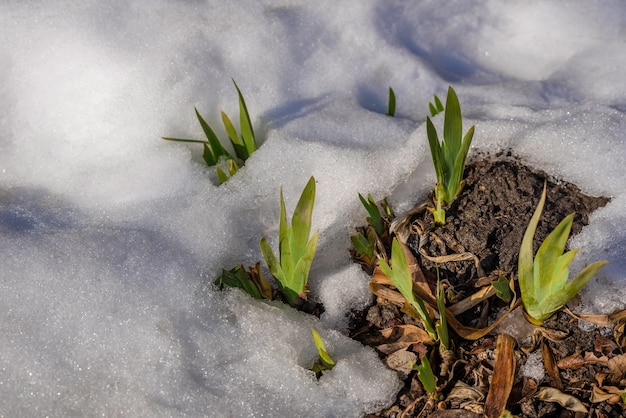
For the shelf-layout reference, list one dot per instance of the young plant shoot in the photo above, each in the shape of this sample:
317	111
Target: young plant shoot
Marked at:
296	251
543	282
391	104
215	155
401	278
448	156
325	362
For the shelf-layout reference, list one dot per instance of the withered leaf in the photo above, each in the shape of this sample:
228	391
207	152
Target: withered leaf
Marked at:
604	346
565	400
465	392
401	337
617	365
401	361
503	377
550	366
573	362
610	394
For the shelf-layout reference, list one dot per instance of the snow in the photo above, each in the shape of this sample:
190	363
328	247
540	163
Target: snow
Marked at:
110	236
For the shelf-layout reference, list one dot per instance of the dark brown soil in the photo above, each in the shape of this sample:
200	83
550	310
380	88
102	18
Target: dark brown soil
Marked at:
488	219
491	214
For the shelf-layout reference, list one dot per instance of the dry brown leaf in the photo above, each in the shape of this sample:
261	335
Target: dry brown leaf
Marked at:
464	392
604	345
552	334
400	337
572	362
619	335
401	361
591	358
610	394
550	365
599	319
503	377
472	300
565	400
617	366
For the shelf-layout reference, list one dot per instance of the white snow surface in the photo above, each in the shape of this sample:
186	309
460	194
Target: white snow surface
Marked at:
109	236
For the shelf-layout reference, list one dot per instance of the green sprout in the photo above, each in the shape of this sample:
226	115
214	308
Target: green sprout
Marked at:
391	104
296	251
375	219
214	153
503	290
325	362
252	282
365	246
426	376
442	325
436	107
448	156
401	278
543	282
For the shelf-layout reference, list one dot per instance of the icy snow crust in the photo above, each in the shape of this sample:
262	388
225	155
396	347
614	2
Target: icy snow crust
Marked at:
109	235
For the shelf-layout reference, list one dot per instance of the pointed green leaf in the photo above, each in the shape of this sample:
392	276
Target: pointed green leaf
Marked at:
438	104
271	260
442	326
561	271
240	149
435	150
247	133
214	143
238	277
375	219
303	266
452	127
391	105
301	221
557	300
525	260
426	376
184	140
208	157
327	361
548	254
362	245
454	184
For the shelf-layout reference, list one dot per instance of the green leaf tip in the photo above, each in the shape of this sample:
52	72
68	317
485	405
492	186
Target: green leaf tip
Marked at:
296	250
543	281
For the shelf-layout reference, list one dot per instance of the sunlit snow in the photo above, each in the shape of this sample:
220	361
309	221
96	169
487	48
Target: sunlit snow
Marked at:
110	236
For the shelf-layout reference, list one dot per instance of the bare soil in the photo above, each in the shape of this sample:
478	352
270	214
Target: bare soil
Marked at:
488	219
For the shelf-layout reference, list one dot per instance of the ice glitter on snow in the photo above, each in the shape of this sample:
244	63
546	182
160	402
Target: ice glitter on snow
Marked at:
109	234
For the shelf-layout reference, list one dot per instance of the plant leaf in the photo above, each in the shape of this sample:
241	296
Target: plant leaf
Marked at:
197	141
426	376
247	133
525	260
452	128
208	157
271	260
214	143
239	147
222	177
558	299
503	377
391	105
547	256
435	150
301	221
327	361
459	166
303	266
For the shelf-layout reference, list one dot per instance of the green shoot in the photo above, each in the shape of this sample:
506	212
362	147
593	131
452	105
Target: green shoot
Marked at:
296	251
375	219
325	362
449	155
426	376
442	325
364	246
402	280
214	153
435	108
543	282
503	290
391	105
252	282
